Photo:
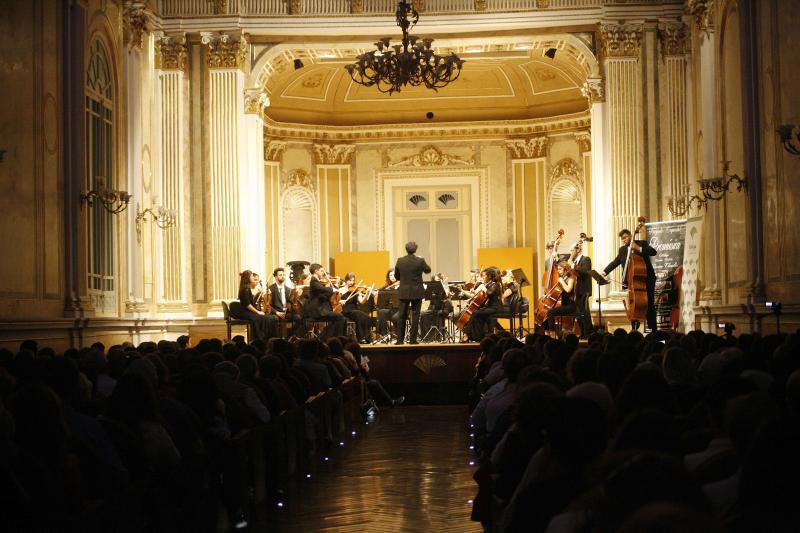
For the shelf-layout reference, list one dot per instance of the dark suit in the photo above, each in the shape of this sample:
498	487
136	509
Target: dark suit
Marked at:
319	308
583	289
408	271
646	252
279	306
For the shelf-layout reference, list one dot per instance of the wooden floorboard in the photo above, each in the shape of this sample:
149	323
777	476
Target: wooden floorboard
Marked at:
407	471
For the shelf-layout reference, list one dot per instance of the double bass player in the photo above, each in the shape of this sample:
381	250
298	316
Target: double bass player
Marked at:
643	249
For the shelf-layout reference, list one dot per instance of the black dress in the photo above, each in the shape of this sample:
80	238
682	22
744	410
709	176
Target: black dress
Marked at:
478	326
567	307
264	326
363	321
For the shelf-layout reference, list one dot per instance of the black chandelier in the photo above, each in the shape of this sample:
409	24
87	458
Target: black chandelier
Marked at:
410	63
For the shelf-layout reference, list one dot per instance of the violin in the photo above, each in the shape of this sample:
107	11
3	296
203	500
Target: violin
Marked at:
294	305
260	302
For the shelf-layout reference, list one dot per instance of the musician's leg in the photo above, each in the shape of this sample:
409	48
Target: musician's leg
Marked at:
403	316
652	323
416	305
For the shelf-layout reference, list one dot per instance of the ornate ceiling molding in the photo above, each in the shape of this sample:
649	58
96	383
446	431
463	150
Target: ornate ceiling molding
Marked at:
297	178
584	140
532	148
255	101
674	38
137	19
621	40
594	90
430	156
171	53
703	13
333	154
389	132
224	51
273	149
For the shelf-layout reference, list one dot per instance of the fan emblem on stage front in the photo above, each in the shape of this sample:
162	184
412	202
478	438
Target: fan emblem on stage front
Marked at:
426	363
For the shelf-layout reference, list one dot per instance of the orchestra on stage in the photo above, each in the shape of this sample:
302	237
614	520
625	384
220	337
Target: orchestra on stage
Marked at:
319	305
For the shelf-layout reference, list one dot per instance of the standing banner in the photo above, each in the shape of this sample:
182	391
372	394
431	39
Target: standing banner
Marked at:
668	239
691	266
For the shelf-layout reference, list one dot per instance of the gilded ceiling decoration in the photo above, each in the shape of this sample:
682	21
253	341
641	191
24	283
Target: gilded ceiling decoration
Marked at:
431	156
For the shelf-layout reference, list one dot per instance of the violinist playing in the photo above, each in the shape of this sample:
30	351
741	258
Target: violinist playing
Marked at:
646	251
386	315
478	326
281	300
353	296
566	278
319	303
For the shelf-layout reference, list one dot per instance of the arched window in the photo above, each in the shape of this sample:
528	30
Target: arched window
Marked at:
300	240
100	175
566	209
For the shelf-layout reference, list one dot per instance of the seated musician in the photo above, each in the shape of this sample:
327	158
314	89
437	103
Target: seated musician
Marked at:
264	326
437	309
468	290
567	282
282	300
318	306
387	316
478	326
351	299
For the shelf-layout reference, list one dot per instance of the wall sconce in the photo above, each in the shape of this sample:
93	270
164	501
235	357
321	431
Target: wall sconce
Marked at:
112	200
162	217
712	190
785	132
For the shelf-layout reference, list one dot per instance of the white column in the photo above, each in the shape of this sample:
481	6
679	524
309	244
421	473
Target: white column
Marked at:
252	194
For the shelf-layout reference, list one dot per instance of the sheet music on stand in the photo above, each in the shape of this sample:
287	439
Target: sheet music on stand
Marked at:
434	292
599	278
388	299
520	277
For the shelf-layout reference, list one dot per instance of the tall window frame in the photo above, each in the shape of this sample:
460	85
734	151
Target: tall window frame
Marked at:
100	174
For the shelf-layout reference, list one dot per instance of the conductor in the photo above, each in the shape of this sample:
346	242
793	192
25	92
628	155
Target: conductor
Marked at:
408	270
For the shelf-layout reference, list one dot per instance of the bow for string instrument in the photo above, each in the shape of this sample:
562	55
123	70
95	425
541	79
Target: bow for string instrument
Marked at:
551	275
635	276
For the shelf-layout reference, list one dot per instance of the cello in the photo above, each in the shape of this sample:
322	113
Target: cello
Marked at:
550	277
473	305
635	280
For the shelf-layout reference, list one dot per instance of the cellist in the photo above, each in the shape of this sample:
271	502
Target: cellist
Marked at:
477	327
566	279
642	248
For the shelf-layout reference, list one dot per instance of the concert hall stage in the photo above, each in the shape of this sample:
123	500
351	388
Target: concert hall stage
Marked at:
432	373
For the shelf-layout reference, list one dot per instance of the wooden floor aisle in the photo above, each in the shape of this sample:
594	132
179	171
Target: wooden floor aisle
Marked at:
406	471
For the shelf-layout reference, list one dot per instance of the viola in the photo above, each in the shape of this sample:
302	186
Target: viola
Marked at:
635	276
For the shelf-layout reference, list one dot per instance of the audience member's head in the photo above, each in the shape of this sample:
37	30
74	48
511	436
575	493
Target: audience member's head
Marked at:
248	367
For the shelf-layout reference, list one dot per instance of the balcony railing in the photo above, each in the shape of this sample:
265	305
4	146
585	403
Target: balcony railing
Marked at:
280	8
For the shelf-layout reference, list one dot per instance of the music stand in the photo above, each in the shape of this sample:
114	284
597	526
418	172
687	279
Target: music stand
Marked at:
434	293
387	299
522	280
601	280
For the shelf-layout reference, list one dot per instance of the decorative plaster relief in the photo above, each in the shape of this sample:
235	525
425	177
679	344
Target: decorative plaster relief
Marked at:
430	156
333	154
623	40
565	167
298	178
532	148
171	53
224	51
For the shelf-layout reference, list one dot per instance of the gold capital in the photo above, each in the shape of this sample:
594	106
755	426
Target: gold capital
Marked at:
273	149
594	90
532	148
674	38
137	19
171	53
584	140
333	154
224	51
703	13
621	40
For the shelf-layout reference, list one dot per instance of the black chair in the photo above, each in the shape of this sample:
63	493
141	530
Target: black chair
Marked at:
516	317
231	311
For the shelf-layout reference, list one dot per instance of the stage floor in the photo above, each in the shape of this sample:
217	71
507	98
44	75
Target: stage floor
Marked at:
431	373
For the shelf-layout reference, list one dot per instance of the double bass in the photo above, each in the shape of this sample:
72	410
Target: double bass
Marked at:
635	280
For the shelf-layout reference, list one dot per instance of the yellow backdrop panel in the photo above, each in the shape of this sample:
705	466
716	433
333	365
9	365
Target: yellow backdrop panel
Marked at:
505	258
370	267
